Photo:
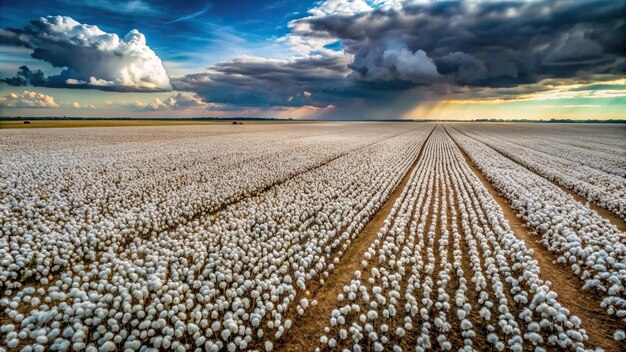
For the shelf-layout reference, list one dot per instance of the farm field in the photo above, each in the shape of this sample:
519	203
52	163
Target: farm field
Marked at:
120	123
334	236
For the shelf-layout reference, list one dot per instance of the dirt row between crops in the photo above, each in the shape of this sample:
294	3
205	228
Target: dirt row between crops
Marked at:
307	329
585	304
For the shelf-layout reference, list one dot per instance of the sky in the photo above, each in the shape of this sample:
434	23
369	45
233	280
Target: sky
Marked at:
335	59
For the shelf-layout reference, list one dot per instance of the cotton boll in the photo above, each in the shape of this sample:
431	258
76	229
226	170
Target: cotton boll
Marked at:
108	346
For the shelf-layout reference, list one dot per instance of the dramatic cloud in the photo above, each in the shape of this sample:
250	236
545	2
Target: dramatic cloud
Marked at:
25	76
483	43
90	57
464	67
28	99
400	52
394	62
307	44
179	101
351	58
251	81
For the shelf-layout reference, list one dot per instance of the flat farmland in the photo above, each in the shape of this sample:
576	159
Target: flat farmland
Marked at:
122	123
330	236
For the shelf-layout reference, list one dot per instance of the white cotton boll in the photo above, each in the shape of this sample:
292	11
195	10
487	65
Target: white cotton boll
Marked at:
466	324
12	343
619	335
268	346
108	346
343	334
499	346
225	334
332	343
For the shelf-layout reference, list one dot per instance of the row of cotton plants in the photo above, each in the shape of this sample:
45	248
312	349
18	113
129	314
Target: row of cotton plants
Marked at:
65	207
605	189
600	146
446	272
586	152
224	279
594	249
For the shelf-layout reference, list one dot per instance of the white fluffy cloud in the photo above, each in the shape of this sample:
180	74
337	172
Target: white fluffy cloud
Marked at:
89	56
340	7
307	44
28	99
179	101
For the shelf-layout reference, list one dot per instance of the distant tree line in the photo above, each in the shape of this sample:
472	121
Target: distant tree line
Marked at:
51	118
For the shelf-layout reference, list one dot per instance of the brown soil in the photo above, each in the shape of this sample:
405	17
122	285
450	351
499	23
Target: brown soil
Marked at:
307	329
585	304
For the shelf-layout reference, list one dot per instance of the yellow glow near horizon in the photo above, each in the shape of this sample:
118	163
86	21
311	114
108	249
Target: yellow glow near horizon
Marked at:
567	91
577	101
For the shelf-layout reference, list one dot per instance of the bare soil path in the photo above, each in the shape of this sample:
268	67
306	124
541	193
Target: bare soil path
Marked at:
307	329
585	304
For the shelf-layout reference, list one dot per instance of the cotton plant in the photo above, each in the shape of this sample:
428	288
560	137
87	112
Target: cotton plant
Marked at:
404	285
198	262
582	240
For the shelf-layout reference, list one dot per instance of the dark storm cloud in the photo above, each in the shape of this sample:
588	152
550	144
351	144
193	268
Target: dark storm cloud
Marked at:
265	82
485	43
430	50
25	76
394	55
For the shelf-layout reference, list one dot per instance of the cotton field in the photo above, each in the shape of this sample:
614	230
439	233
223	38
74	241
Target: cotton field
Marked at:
314	237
